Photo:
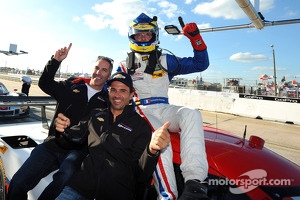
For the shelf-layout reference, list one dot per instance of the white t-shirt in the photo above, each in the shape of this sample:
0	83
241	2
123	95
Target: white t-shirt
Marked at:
91	91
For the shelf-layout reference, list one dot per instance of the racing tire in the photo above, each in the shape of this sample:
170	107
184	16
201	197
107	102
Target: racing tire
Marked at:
2	181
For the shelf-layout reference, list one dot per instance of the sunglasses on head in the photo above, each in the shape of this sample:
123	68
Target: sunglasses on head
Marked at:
111	61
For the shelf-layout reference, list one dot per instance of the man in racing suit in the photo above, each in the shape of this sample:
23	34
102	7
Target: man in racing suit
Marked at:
151	74
75	98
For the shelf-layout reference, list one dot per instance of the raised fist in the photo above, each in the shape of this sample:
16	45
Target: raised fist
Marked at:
192	32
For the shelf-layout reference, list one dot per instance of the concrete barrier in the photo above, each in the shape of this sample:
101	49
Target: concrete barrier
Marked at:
269	108
275	109
16	77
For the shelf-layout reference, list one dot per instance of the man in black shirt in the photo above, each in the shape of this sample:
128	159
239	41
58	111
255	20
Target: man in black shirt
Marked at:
120	151
75	98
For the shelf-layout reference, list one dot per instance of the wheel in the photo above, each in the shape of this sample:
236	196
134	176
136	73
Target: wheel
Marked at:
2	181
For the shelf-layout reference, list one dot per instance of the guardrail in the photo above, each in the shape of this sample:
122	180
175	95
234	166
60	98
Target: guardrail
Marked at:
27	101
41	101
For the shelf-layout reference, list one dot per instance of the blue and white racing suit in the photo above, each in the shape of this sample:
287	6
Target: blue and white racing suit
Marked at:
151	97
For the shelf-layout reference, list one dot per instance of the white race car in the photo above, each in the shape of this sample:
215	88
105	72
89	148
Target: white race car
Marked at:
18	139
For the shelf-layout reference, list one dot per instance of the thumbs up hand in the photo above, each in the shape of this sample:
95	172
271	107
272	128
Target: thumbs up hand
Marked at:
160	139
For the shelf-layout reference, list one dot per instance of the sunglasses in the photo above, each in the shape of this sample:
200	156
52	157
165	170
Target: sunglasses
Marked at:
111	61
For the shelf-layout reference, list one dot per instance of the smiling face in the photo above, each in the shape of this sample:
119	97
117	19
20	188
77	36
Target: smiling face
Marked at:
100	74
119	96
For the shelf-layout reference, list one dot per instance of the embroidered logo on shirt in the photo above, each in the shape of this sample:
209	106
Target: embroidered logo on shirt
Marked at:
121	125
158	74
76	91
100	119
100	98
144	58
138	76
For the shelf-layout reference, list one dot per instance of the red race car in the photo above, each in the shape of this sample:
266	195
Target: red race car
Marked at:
243	169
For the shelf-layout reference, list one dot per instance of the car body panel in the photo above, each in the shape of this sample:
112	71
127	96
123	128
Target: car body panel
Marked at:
14	156
234	158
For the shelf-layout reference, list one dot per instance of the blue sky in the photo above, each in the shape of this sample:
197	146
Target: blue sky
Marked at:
100	28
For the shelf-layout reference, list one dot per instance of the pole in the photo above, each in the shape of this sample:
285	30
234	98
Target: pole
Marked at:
297	89
275	84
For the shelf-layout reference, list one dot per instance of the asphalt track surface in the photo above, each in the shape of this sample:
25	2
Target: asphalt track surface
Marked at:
281	138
